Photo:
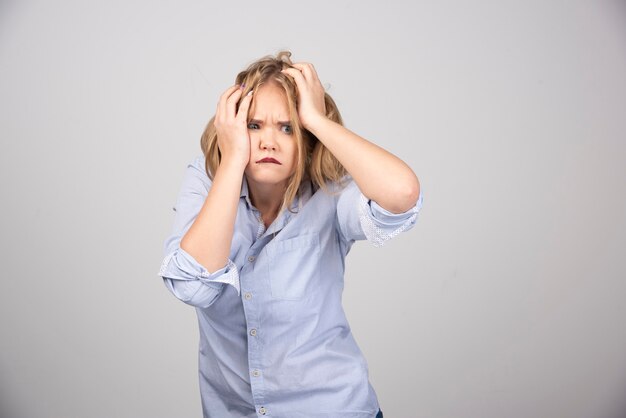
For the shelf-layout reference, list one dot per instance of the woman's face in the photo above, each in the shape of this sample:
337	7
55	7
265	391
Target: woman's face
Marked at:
273	149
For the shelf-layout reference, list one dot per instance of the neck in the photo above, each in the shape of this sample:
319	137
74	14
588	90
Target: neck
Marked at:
267	198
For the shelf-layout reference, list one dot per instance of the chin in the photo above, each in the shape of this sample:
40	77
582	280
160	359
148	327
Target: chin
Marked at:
267	178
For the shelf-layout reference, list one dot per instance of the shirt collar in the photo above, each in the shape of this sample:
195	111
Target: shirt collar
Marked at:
244	192
304	194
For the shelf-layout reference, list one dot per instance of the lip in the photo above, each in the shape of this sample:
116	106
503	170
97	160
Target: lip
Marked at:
269	160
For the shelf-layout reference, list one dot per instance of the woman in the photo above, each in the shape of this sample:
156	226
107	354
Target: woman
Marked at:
263	223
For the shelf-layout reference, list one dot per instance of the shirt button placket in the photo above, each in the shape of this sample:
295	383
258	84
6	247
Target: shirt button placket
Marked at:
253	343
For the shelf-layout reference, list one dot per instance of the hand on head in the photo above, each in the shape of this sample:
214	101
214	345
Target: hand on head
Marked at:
231	125
311	93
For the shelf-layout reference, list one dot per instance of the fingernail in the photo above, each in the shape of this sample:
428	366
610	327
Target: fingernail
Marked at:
249	93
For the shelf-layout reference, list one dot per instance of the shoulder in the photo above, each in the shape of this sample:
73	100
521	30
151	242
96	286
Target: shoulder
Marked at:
196	175
198	167
334	192
197	163
340	186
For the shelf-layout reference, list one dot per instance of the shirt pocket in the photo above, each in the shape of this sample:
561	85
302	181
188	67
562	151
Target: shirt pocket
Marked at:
293	266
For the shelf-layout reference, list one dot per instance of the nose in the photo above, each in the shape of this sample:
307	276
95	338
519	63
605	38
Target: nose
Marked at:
268	142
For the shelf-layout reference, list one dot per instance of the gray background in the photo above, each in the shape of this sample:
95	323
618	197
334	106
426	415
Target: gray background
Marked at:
506	299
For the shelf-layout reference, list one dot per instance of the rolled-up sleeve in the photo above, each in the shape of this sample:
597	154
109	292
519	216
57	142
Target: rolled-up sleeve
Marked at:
187	279
361	218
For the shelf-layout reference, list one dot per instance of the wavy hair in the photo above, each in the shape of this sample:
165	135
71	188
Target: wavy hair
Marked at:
314	160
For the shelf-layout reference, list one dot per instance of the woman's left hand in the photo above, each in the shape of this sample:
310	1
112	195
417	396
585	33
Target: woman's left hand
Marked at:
310	93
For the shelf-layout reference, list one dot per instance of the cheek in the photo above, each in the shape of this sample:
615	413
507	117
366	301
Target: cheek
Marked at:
254	141
293	153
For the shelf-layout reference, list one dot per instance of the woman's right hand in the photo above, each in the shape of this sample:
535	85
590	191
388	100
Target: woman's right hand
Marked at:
231	125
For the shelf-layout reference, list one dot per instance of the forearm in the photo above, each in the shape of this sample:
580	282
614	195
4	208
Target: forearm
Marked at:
209	238
380	175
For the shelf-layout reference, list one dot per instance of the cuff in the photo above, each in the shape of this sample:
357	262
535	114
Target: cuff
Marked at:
379	225
180	265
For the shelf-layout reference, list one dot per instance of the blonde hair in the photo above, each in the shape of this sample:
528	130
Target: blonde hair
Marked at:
314	160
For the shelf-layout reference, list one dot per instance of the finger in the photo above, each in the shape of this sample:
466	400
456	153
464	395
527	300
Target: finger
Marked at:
242	114
307	69
297	75
228	92
302	69
221	105
231	103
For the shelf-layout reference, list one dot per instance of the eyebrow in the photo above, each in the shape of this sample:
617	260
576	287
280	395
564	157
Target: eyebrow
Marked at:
280	122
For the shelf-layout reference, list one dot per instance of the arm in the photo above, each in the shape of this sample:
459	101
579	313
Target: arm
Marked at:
207	218
187	279
209	238
361	218
380	175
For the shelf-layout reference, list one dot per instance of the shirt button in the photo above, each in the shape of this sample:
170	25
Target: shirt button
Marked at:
251	258
262	410
248	295
253	332
256	373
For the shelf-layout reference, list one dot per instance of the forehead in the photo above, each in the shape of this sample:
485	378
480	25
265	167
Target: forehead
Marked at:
269	100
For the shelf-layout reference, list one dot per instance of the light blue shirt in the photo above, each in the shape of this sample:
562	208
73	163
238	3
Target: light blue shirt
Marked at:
274	339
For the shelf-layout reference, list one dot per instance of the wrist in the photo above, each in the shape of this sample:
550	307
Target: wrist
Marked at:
316	123
236	163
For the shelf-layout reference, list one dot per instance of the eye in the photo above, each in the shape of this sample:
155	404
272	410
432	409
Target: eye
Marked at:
286	129
253	126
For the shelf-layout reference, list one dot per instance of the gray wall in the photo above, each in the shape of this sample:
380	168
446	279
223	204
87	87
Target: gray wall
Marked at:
506	300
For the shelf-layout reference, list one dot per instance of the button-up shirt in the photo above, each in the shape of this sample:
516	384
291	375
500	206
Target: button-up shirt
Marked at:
274	338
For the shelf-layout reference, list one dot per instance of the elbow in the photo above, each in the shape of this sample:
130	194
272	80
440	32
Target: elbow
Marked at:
405	196
413	192
205	296
181	274
194	293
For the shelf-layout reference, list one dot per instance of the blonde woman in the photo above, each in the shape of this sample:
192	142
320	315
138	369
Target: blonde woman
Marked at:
263	223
